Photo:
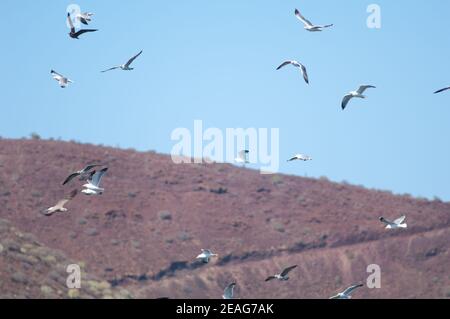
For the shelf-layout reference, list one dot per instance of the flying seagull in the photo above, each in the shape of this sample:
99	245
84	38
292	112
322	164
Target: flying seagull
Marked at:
126	66
229	291
300	157
75	34
93	184
308	25
82	173
59	207
298	65
442	90
206	255
84	17
396	224
358	93
284	274
242	157
346	293
62	80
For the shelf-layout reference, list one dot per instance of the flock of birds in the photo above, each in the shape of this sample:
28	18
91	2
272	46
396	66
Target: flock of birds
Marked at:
93	177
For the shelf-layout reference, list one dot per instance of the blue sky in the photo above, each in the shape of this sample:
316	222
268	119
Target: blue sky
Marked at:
215	61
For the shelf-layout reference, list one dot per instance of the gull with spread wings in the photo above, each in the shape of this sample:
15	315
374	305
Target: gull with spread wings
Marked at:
126	66
298	65
59	207
308	25
62	80
283	276
358	93
396	224
83	173
346	293
92	187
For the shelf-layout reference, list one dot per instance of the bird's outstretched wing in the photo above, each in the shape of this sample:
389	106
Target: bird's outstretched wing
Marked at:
97	177
350	289
69	20
133	58
56	75
229	291
305	74
345	100
110	69
302	18
70	177
270	278
442	90
284	64
334	297
400	220
287	270
80	32
89	167
362	88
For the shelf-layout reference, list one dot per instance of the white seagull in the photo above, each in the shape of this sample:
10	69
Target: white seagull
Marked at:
442	90
298	65
308	25
93	184
396	224
126	66
62	80
283	276
84	17
229	291
358	93
59	207
300	157
84	173
242	157
206	255
346	293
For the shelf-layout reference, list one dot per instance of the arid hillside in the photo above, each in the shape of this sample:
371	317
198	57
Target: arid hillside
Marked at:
140	238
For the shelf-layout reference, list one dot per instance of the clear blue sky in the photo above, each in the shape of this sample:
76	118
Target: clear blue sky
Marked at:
216	60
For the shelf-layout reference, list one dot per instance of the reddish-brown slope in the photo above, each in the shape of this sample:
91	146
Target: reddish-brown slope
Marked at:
123	235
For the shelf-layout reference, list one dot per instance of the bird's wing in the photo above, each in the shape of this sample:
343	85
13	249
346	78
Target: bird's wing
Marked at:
71	176
345	100
206	251
270	278
89	167
400	220
362	88
61	203
302	18
334	297
284	64
350	289
442	90
385	221
326	26
110	69
69	20
132	59
56	75
80	32
305	74
287	270
229	291
97	177
292	159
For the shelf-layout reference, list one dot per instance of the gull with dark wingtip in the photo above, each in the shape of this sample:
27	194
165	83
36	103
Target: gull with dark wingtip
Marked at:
298	65
358	93
308	25
75	34
283	276
62	80
229	291
126	66
346	293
